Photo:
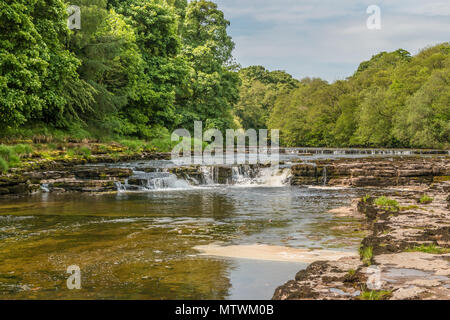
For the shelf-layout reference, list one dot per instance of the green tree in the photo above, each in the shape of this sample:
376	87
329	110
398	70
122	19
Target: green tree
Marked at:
258	93
111	63
165	72
37	73
213	89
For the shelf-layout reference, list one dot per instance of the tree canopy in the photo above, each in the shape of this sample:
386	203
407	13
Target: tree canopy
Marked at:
392	100
142	68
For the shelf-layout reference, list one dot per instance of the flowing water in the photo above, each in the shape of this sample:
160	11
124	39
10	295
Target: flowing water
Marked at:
143	242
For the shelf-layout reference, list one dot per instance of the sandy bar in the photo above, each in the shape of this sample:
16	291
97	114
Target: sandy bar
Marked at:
272	253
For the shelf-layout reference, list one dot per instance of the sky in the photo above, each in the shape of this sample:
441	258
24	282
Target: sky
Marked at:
329	38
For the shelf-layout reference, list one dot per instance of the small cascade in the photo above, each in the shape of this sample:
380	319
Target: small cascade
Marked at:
45	187
324	178
120	187
182	178
244	175
274	177
209	174
257	176
142	181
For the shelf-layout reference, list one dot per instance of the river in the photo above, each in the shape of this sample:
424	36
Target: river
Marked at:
162	237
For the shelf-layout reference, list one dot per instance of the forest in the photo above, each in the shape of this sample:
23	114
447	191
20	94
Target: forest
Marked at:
138	69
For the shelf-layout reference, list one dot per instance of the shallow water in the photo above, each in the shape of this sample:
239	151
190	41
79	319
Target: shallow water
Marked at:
141	245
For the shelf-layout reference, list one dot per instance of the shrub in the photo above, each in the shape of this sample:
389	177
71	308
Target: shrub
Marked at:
387	204
132	145
5	152
426	199
22	149
9	155
366	254
3	165
84	151
375	295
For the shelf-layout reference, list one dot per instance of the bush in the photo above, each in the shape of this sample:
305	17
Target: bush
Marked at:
3	165
426	199
132	145
387	204
375	295
9	155
366	255
84	151
22	149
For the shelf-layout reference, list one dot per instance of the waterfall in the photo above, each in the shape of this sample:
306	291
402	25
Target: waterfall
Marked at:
142	181
208	174
204	176
324	178
45	187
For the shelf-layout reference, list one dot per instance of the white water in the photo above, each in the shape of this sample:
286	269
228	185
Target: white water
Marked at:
269	177
240	176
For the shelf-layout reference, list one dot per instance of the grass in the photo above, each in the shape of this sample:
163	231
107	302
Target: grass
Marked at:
74	143
411	207
375	295
365	198
441	179
432	248
4	166
387	204
366	255
10	155
426	199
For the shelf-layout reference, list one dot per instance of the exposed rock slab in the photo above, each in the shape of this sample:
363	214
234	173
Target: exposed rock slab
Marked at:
404	272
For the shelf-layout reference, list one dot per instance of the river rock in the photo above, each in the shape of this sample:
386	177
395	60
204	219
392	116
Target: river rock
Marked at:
405	272
102	173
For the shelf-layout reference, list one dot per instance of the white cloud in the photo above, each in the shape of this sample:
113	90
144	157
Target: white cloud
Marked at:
329	38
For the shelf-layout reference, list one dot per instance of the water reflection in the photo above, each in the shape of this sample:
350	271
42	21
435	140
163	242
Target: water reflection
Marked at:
140	245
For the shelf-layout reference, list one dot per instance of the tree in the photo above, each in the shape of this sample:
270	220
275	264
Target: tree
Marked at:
425	122
258	93
213	89
36	71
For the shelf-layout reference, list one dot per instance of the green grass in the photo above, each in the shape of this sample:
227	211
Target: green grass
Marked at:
366	255
4	166
375	295
84	152
411	207
133	145
426	199
10	155
432	248
387	204
365	198
76	143
22	149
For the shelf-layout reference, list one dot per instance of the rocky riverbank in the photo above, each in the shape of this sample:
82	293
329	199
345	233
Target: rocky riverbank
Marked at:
84	174
94	174
406	255
376	172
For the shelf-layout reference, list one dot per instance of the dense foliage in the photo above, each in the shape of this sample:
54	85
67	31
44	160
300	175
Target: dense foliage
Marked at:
393	100
141	68
135	68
